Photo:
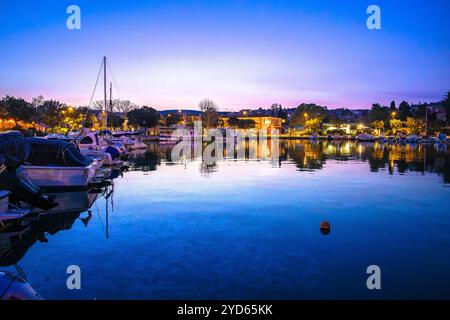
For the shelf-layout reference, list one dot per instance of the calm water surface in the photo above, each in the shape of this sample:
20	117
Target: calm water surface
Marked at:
249	228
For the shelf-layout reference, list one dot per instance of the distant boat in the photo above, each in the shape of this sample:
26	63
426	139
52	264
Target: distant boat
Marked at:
365	137
166	135
428	140
442	137
130	143
91	145
413	138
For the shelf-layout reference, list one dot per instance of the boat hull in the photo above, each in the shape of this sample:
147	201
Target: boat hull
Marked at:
72	177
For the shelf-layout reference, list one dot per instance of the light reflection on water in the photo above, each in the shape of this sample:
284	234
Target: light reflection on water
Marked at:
249	228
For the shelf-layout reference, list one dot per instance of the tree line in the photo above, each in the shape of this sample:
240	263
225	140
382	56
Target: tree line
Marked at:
58	116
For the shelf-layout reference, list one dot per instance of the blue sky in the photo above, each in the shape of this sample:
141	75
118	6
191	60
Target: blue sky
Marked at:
171	54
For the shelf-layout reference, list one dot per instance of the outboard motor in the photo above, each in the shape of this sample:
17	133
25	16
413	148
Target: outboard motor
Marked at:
14	287
14	150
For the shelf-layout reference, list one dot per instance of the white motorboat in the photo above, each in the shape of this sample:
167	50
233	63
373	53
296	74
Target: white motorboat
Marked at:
56	163
94	147
49	176
166	136
129	142
138	144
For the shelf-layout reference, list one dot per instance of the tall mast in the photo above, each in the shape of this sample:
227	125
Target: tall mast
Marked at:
104	89
111	107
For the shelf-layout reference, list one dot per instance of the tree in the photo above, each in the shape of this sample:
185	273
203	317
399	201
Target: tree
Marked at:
115	121
51	113
118	105
446	105
233	122
17	109
72	118
124	106
37	101
395	124
306	112
415	126
278	111
379	113
404	111
392	107
210	114
313	125
89	120
172	119
378	124
144	117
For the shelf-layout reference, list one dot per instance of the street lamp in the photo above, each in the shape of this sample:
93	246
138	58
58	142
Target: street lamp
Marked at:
393	114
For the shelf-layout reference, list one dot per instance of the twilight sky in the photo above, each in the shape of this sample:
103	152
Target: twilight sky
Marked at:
241	54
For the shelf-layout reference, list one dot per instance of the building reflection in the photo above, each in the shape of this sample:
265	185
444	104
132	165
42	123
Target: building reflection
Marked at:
308	156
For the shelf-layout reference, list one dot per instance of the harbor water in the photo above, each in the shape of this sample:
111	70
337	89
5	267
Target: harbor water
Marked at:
249	228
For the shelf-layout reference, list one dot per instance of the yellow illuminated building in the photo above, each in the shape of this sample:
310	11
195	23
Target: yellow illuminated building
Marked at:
261	123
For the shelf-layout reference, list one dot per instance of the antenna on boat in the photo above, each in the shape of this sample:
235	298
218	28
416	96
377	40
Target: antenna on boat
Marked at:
104	124
111	108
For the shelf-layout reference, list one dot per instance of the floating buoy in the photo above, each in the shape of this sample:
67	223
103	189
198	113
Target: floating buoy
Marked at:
325	227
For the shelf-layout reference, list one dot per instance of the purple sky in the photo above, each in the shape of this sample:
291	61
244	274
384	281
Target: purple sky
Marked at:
241	54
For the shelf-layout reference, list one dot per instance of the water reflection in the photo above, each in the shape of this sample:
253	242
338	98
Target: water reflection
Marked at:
15	243
17	239
174	229
311	156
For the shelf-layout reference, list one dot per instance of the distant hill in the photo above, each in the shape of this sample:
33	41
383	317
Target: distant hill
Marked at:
164	113
186	112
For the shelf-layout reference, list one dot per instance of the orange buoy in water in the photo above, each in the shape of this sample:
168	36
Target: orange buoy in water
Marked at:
325	227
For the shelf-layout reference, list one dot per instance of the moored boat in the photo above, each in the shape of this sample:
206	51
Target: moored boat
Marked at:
365	137
56	163
15	287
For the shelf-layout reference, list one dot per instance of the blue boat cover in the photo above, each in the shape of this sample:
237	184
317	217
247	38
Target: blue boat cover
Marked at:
115	154
14	149
58	153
